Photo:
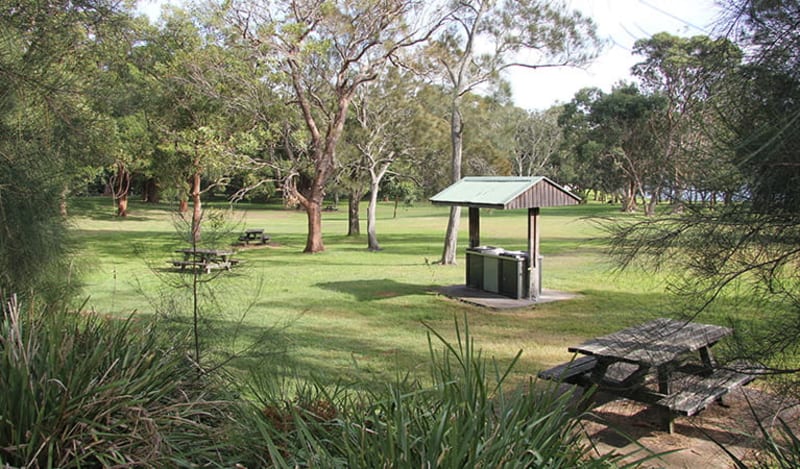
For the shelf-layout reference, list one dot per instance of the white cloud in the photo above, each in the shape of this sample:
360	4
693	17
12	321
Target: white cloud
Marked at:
621	22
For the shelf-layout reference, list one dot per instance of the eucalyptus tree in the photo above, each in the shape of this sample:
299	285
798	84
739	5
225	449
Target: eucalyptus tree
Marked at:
323	51
197	131
627	128
488	134
538	140
617	132
384	115
432	168
690	73
484	38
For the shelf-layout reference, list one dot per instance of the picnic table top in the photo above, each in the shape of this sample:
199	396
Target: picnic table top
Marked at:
206	251
254	230
653	343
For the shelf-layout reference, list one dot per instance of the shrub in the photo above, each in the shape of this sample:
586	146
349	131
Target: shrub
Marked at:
465	418
80	390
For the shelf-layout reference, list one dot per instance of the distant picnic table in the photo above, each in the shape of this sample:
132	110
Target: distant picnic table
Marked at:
664	363
205	259
254	234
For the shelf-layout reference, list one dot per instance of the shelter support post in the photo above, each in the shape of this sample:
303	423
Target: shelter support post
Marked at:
533	253
474	227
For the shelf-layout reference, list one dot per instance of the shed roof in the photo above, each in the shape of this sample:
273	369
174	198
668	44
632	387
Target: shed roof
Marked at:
505	192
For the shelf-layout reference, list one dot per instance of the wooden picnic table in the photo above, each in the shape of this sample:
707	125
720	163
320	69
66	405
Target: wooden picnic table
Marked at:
205	259
254	234
664	362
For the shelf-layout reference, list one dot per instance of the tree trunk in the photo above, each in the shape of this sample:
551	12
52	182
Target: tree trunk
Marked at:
314	239
353	221
122	205
151	194
372	237
122	189
457	141
728	198
650	208
197	209
183	205
62	201
629	198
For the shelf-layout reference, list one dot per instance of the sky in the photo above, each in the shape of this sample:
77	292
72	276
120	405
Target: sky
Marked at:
619	22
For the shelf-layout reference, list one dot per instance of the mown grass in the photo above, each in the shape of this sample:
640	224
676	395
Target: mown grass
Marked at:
349	313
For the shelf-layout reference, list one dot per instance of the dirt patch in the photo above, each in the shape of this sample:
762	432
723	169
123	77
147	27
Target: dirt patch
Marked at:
623	426
387	294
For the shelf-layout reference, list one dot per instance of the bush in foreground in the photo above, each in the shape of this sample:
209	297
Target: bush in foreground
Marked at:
465	418
82	391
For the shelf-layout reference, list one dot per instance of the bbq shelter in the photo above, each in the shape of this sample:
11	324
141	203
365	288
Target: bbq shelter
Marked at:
511	273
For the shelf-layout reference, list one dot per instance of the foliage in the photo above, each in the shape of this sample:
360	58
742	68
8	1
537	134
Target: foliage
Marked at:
324	52
616	134
731	250
49	131
480	40
33	241
464	418
537	143
747	249
84	391
765	107
692	75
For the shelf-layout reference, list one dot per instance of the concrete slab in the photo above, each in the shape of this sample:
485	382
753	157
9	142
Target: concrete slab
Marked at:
491	300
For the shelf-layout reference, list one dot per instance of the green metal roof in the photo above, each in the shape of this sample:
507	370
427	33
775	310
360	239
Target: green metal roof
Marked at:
505	192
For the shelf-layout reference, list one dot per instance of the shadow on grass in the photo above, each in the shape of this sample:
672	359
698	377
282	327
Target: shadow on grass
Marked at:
378	289
285	351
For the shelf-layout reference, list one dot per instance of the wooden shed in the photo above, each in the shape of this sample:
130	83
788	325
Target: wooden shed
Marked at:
507	193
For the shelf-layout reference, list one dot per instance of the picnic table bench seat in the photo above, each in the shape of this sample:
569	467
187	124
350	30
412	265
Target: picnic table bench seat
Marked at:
698	392
665	363
204	265
192	264
695	394
567	372
579	370
188	263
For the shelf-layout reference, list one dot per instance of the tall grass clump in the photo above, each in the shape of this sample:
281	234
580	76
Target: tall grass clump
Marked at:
83	391
466	417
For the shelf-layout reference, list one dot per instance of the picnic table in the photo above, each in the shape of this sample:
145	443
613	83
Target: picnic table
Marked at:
205	259
665	363
254	234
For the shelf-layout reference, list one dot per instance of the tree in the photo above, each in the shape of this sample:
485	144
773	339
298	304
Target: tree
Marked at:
537	142
484	38
49	130
197	130
618	132
689	73
744	254
325	51
384	116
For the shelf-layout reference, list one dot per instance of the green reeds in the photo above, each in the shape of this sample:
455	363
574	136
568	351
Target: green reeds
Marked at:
465	418
85	391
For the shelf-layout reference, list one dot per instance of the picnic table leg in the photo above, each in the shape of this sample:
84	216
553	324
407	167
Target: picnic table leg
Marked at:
664	388
707	358
708	361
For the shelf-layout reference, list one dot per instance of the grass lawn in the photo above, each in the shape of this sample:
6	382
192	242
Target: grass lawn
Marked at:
350	313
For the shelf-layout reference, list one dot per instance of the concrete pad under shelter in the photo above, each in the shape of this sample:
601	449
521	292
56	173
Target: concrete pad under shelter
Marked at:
491	300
